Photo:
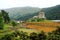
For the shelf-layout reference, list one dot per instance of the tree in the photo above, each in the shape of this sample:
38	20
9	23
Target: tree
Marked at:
33	20
42	36
5	16
33	36
23	35
1	21
14	23
8	37
55	35
40	19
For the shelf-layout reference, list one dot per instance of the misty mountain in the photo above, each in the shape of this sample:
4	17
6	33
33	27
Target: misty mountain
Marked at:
24	13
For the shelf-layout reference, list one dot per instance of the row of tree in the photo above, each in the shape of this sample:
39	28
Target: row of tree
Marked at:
36	20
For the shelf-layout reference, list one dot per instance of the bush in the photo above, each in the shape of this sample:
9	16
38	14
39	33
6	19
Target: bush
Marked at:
8	37
42	36
14	23
54	35
40	19
33	36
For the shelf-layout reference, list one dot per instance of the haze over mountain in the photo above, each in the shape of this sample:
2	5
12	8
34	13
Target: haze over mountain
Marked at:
24	13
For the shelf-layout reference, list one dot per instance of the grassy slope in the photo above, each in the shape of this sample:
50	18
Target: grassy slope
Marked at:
6	30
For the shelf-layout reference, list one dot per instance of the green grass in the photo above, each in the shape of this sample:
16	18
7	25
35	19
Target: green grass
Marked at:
7	30
48	21
6	26
28	30
4	32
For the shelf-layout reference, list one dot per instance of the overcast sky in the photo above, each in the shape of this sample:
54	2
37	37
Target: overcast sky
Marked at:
33	3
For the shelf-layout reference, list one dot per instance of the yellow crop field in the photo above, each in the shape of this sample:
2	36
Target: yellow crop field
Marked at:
43	26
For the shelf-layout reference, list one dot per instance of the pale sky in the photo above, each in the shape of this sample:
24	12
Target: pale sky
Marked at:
33	3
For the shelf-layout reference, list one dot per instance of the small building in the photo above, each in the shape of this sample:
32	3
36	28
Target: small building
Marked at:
19	21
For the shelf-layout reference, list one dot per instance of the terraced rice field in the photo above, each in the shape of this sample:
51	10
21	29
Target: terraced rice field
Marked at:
43	26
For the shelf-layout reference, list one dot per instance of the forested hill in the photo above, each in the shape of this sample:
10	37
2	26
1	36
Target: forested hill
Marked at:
52	13
24	13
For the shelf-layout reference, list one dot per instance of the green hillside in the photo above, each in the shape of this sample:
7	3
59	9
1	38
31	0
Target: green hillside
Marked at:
24	13
52	13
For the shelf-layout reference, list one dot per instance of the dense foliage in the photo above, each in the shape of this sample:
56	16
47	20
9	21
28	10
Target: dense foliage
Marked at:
54	35
1	21
4	18
52	13
36	20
